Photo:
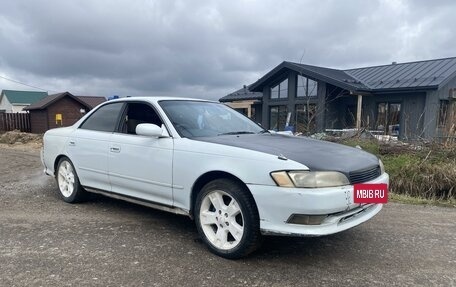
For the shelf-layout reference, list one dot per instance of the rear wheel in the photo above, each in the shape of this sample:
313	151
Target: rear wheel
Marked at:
70	189
227	218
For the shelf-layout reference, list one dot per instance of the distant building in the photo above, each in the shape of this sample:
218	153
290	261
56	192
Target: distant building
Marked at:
412	100
15	101
60	110
246	102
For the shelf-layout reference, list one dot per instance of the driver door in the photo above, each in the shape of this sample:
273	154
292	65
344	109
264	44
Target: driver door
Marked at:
141	166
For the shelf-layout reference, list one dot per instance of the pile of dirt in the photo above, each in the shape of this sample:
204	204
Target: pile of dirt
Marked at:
19	139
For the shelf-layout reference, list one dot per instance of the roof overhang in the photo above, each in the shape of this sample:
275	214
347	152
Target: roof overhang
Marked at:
57	98
284	66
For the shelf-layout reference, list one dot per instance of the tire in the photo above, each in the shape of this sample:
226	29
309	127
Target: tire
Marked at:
227	219
70	190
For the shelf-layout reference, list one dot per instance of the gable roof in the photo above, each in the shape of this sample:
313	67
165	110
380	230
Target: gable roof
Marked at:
333	76
47	101
429	74
242	94
23	97
92	102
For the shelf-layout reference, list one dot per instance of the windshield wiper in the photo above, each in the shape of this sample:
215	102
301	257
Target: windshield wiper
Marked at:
236	133
264	132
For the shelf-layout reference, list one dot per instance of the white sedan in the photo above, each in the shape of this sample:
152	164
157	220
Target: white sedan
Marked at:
205	160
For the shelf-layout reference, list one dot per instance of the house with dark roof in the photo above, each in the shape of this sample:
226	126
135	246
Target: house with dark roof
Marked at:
245	102
12	101
60	110
410	100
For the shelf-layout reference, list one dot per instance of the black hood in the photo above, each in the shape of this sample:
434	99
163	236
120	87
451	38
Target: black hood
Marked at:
316	154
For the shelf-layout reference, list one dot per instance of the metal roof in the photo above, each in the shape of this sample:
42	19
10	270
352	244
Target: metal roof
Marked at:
23	97
333	76
429	74
242	94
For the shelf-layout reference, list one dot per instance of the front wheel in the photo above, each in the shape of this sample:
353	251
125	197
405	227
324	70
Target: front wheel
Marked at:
70	189
227	219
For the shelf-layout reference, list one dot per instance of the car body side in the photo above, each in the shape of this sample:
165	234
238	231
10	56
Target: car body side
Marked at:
194	161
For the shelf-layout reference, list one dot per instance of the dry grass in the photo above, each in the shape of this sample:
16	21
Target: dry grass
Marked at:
426	171
14	137
431	181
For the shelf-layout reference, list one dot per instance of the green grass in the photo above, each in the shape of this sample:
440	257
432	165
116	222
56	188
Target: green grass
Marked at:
419	174
401	198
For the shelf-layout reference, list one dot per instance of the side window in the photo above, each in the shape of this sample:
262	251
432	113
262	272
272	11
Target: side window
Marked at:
104	119
139	113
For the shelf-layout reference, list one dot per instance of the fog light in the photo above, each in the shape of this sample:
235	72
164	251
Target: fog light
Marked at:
306	219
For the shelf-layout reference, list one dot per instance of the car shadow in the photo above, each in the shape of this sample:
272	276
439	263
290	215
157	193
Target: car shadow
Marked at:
298	250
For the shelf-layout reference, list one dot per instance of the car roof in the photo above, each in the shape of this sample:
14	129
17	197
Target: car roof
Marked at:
158	99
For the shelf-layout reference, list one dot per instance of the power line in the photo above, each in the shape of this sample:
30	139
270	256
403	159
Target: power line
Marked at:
21	83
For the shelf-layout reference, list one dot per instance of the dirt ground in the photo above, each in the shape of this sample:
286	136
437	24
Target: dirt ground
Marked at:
106	242
20	141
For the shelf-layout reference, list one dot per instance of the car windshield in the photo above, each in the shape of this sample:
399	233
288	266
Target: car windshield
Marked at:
207	119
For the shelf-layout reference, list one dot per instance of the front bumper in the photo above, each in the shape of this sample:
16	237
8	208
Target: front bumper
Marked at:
276	205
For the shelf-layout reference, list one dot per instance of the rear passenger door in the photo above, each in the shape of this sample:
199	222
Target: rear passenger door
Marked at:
141	166
89	146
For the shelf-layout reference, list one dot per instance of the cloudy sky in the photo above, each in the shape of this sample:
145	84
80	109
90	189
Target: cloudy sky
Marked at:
207	49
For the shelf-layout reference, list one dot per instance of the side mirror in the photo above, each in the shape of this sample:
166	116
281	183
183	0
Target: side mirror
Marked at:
149	130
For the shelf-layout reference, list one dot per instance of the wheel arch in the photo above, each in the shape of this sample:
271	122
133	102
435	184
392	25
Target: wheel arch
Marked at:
57	160
208	177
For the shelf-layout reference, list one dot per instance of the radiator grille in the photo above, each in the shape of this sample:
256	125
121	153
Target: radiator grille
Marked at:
360	176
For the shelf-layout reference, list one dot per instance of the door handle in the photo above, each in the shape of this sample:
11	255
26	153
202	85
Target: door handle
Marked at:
72	143
115	149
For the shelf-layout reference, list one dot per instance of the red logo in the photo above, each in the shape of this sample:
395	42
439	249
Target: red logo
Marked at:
370	193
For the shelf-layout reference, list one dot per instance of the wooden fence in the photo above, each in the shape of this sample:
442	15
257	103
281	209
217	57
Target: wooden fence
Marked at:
15	121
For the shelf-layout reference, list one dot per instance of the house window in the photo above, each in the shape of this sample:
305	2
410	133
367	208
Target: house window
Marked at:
388	118
305	118
280	91
277	117
443	112
306	87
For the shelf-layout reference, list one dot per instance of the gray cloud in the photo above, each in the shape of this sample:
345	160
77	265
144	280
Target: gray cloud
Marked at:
207	48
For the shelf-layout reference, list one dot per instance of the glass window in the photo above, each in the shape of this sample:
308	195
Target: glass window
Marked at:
280	91
207	119
312	88
301	86
139	113
381	116
306	87
103	119
275	92
388	118
443	111
305	121
283	89
277	117
243	111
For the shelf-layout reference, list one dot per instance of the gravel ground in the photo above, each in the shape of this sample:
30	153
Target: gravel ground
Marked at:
106	242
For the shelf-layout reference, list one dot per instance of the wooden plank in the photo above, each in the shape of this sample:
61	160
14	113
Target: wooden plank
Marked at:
15	121
358	112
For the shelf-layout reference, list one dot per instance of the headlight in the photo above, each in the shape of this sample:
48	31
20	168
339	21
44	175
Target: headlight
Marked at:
309	179
382	167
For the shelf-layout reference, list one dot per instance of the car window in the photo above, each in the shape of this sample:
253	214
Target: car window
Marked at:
138	113
104	119
207	119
